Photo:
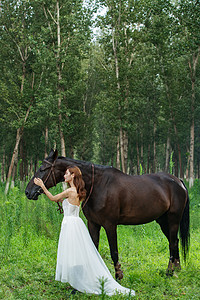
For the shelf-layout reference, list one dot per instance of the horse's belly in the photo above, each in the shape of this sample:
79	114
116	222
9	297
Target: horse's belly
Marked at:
135	221
142	216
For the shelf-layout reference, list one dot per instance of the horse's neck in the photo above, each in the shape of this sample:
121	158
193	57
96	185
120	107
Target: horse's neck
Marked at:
88	170
84	166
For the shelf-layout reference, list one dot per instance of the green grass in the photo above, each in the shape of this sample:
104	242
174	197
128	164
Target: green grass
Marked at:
28	246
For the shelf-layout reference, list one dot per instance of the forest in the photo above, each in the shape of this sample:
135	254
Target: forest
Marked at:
112	82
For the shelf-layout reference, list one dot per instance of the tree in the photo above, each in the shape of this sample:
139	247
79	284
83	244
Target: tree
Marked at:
188	15
16	26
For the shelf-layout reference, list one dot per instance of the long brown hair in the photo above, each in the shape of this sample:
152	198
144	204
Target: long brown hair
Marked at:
78	182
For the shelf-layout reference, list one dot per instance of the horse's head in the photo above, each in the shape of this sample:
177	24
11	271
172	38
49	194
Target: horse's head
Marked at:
49	172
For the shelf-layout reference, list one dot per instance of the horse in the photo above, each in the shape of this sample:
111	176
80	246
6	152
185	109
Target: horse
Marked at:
114	198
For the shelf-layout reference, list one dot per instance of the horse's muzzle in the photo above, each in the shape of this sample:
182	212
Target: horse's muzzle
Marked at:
32	197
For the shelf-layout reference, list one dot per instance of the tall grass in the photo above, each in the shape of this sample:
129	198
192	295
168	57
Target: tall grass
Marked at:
28	246
20	215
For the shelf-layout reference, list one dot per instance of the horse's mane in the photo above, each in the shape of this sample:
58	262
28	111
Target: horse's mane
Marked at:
83	162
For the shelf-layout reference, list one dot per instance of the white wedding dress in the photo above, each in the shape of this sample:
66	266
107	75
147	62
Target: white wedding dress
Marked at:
78	261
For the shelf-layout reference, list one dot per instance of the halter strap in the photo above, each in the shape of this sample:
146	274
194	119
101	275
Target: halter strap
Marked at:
52	165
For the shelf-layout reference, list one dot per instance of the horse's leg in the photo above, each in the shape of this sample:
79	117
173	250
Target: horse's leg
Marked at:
173	242
163	222
169	227
179	198
111	232
94	230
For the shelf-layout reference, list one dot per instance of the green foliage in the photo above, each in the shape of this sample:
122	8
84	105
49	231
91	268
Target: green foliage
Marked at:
28	246
171	163
143	84
141	169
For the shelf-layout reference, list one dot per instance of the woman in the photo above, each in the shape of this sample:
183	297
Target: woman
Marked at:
78	261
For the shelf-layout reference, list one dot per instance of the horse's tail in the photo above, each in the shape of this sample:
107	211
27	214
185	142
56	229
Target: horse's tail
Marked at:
185	227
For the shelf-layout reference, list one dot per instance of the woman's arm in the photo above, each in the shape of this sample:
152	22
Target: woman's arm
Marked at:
56	198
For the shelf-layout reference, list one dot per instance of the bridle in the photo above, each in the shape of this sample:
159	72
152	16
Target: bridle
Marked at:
51	171
52	165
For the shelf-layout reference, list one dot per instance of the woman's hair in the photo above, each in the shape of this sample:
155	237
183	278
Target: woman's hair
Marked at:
78	182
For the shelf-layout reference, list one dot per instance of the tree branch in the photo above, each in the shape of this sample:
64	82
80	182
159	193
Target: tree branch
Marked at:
20	52
52	16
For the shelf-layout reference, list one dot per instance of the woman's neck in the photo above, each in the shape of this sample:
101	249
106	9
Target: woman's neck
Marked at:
71	184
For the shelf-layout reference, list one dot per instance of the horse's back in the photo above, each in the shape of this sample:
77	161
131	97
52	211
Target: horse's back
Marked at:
139	199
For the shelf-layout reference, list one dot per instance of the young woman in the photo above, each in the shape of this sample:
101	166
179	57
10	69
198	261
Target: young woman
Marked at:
78	261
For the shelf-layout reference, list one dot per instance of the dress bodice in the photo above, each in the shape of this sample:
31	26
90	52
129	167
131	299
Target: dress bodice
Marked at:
70	209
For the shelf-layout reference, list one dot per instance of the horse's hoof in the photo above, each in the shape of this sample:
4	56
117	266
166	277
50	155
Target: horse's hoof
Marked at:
119	275
118	272
177	265
170	268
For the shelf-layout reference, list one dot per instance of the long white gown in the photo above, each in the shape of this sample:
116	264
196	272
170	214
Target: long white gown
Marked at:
78	261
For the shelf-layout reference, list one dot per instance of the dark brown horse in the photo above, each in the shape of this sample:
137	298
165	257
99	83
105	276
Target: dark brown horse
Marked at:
117	198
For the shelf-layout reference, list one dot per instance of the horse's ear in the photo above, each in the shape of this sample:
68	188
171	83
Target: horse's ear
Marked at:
51	154
55	155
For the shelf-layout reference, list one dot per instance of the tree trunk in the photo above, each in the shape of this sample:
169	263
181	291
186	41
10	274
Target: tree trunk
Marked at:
167	155
176	166
118	155
192	68
14	173
138	158
154	148
191	177
21	166
187	166
30	173
125	143
15	152
122	150
177	140
175	128
46	142
59	69
62	139
3	167
148	157
142	157
23	169
25	161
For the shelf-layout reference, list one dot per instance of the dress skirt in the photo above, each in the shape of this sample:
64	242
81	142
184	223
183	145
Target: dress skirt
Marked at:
79	263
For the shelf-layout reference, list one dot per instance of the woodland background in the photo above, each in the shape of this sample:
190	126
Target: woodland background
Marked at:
109	81
113	82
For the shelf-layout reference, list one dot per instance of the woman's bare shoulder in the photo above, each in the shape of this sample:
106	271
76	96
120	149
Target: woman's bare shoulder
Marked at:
72	191
72	196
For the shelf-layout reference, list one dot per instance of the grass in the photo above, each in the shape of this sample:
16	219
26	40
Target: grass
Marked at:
28	246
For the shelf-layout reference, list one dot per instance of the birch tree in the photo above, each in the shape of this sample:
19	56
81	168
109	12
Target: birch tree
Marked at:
188	13
15	21
66	24
120	25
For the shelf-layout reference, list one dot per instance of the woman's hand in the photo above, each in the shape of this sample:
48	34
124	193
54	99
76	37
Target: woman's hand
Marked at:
56	198
38	181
